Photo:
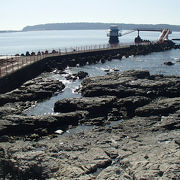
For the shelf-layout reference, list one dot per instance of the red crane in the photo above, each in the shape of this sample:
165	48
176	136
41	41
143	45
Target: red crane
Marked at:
163	36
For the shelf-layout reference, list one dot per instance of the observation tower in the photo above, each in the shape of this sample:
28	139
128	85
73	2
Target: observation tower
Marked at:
113	34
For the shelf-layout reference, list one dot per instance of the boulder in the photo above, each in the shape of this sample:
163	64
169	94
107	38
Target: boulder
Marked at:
169	63
81	74
71	77
19	125
96	106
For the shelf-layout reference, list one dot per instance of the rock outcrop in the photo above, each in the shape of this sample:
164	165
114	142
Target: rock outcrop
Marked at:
134	132
34	90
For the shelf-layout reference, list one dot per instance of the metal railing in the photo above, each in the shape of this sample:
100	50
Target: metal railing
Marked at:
13	63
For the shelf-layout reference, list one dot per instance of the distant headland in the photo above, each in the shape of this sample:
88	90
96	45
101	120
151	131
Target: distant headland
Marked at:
93	26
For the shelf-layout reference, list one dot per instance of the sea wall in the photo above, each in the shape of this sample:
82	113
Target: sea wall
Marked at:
17	78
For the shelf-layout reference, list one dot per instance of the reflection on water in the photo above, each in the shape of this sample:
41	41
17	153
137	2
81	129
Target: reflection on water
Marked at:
84	128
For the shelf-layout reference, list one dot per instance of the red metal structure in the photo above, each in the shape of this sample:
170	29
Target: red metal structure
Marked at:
163	36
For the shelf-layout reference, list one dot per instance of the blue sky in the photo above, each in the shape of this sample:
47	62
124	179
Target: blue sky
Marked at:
15	14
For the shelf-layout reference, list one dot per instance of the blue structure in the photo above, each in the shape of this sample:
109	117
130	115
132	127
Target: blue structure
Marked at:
113	34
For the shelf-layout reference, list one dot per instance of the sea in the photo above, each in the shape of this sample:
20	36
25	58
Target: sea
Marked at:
20	42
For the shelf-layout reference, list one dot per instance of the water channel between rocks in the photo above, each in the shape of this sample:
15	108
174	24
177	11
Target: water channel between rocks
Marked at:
153	62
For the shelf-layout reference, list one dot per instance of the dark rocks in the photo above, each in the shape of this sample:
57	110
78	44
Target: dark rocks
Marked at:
131	83
33	90
115	70
97	121
160	107
106	70
177	141
169	122
71	77
21	125
134	94
143	145
48	64
96	106
128	105
93	57
81	74
27	165
12	105
6	110
169	63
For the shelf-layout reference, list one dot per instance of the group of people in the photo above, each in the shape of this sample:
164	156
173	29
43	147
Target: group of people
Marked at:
39	53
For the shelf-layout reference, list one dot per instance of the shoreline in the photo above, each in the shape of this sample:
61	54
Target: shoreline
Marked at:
16	78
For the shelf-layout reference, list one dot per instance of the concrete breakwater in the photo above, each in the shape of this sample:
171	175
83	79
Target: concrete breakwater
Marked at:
18	77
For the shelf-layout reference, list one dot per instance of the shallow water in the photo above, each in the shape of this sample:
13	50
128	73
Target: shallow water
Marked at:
20	42
153	62
84	128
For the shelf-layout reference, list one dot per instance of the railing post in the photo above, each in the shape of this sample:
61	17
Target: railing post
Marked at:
6	65
17	61
12	65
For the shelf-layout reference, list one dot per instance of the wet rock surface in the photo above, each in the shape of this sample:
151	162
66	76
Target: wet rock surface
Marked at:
34	90
134	134
12	104
81	74
131	83
169	63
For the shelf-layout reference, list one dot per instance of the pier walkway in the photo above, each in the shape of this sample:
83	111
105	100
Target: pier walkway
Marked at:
10	64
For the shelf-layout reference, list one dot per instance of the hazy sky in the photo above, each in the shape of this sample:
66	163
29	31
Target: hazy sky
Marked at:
15	14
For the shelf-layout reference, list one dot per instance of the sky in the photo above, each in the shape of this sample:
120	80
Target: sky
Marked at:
16	14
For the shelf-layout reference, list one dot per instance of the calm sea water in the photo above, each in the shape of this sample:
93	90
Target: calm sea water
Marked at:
12	43
20	42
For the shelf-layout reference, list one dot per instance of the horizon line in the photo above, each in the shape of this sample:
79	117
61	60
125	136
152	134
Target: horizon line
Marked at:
9	30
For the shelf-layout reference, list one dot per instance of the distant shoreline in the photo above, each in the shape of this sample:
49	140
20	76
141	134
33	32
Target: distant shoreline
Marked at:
92	26
10	31
95	26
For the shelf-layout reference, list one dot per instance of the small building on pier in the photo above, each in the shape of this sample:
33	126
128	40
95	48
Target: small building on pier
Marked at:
113	34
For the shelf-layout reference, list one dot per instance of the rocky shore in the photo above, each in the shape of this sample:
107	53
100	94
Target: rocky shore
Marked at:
15	79
125	126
